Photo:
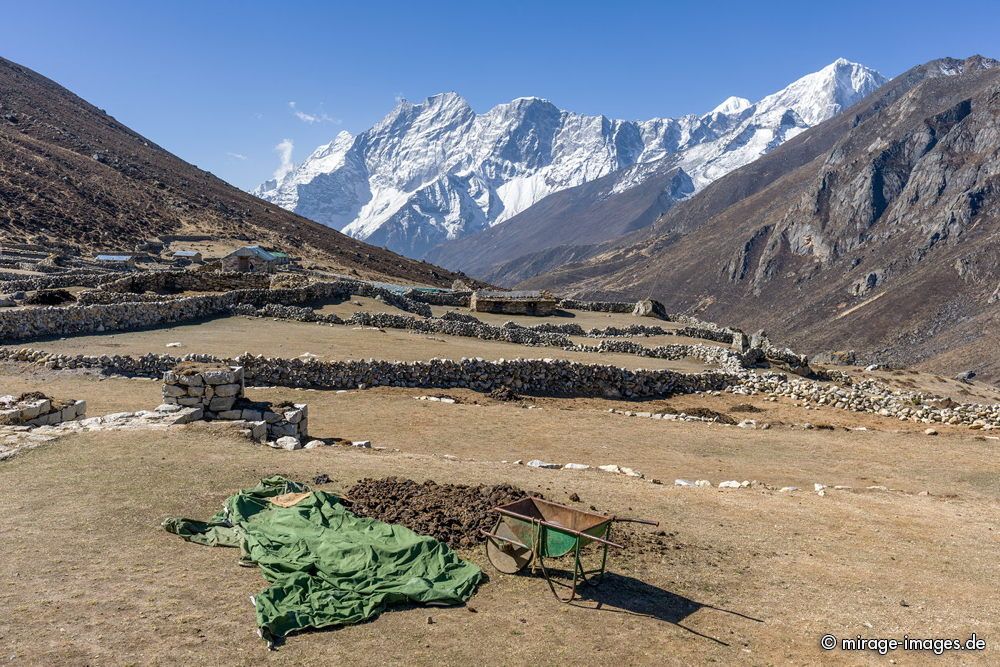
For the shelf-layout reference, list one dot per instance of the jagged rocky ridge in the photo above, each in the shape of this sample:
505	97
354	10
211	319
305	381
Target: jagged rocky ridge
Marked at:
877	231
435	171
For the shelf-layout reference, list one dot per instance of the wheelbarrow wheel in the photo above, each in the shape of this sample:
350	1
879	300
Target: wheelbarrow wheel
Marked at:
505	556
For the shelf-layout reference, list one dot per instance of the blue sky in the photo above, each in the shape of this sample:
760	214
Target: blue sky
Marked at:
214	82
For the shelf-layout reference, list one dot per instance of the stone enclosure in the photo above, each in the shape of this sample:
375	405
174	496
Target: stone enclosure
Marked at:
218	392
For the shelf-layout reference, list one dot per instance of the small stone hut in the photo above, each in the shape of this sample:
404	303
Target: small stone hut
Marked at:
116	260
186	257
250	259
513	303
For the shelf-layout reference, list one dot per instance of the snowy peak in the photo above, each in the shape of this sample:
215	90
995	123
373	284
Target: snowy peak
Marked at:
733	105
823	94
436	170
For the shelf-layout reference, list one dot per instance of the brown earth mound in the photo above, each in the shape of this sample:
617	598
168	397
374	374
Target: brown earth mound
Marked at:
452	513
50	297
745	407
706	413
504	393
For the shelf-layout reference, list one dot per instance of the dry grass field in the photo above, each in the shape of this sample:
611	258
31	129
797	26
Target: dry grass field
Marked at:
753	575
232	336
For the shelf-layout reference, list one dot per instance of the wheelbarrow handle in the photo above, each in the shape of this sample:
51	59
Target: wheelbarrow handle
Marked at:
626	519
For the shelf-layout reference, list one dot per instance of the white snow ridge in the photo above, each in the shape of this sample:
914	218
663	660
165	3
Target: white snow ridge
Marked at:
437	170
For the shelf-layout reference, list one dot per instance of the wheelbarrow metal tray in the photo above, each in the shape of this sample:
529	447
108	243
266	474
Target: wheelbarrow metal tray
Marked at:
561	526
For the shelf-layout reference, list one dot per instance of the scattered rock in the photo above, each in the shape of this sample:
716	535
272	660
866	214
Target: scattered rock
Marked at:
621	470
288	442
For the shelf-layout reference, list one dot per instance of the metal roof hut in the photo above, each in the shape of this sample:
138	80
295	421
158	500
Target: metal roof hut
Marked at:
186	256
116	260
513	303
250	259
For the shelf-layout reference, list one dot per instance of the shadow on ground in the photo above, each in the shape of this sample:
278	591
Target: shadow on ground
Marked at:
620	594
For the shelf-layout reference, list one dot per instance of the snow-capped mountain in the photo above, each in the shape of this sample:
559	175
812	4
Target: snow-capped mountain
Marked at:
437	170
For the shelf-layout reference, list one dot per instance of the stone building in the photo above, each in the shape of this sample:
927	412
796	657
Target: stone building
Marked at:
250	259
513	303
184	257
116	260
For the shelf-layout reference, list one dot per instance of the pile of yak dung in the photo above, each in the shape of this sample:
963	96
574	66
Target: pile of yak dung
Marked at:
451	513
708	413
504	393
50	297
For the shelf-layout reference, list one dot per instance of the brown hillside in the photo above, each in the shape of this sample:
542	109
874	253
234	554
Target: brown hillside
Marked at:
71	173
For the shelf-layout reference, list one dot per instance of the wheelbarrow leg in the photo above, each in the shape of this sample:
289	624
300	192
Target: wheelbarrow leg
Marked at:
598	573
576	577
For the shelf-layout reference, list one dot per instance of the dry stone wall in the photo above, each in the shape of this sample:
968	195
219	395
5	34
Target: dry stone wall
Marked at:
187	281
455	299
217	392
18	283
598	306
509	334
96	318
532	376
726	359
538	376
39	411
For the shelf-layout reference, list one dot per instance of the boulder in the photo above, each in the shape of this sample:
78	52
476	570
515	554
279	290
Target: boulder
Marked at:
650	308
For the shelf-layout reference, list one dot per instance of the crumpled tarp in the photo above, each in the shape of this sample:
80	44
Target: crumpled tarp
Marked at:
325	565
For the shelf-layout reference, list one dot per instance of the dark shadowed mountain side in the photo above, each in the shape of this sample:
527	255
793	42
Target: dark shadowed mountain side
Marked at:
588	214
71	173
878	230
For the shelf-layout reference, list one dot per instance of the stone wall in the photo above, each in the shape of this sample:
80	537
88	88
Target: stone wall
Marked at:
725	358
531	376
598	306
537	376
187	281
454	299
19	283
218	392
97	296
39	411
95	318
283	312
509	334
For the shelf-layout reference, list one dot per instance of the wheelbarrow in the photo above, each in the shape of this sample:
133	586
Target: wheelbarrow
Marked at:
531	529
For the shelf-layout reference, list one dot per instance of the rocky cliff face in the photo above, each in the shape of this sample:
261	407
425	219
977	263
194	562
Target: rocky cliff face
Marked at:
885	241
437	171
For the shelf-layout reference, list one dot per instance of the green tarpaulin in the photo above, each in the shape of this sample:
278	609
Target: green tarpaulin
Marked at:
325	565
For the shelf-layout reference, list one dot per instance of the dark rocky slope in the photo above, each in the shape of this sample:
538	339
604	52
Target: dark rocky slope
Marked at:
877	230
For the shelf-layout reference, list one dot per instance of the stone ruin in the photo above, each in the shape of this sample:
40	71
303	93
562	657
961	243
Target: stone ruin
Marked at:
37	409
217	391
